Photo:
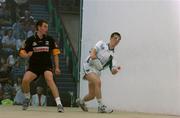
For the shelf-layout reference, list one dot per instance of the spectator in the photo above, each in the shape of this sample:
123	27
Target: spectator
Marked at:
31	30
5	38
18	29
8	39
3	66
11	38
16	72
18	44
21	6
8	91
10	62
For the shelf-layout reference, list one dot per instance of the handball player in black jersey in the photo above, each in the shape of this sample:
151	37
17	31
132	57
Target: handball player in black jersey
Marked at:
39	48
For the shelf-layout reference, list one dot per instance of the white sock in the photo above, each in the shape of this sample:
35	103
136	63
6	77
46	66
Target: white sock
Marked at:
58	101
27	95
99	101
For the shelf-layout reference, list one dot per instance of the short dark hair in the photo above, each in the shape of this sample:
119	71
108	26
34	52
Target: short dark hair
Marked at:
117	34
40	22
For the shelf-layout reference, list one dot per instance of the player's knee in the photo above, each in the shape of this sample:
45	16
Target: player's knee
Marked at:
49	80
25	81
98	82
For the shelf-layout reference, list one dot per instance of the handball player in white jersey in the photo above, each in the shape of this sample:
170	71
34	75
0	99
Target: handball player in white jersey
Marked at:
100	58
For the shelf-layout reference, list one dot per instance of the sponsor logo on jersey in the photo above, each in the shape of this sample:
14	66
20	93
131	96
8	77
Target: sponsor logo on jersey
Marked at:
41	49
34	44
47	43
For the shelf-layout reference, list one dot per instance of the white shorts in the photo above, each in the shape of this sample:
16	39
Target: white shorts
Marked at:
89	69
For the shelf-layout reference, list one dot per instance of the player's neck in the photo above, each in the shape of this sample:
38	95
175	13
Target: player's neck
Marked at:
40	35
110	46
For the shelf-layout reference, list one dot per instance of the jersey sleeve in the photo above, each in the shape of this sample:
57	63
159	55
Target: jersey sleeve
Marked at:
113	64
54	47
26	46
99	45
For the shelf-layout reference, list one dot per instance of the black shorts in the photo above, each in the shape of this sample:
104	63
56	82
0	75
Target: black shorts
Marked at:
39	71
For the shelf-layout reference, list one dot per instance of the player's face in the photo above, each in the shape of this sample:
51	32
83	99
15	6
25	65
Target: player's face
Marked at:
115	40
44	28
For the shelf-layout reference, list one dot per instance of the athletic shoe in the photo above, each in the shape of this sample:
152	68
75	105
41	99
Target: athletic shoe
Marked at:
60	108
80	103
104	109
25	104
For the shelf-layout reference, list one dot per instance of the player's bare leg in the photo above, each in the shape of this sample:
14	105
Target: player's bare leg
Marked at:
49	79
88	97
28	77
96	82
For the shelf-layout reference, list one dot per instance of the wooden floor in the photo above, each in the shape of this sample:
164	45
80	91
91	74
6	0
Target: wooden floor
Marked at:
51	112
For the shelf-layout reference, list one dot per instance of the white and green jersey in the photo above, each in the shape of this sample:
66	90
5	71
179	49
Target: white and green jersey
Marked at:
104	54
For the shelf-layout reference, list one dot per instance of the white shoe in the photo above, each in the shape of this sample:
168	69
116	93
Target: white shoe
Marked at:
60	108
80	103
104	109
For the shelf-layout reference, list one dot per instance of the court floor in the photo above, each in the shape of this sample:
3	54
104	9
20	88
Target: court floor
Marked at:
50	112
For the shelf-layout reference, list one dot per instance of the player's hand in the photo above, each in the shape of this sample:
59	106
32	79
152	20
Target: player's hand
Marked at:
29	54
57	71
115	70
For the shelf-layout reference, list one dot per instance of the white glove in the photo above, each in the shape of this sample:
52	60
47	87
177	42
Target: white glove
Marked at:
96	63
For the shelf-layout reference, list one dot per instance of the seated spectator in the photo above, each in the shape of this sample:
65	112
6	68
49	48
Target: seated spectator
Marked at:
3	65
22	5
3	70
1	11
8	39
4	14
1	37
18	44
39	99
5	38
11	37
10	62
16	72
31	30
18	30
8	90
27	17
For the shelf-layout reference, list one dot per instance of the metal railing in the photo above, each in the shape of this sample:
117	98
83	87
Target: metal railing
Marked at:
69	51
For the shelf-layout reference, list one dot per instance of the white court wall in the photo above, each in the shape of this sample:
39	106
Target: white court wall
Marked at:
148	53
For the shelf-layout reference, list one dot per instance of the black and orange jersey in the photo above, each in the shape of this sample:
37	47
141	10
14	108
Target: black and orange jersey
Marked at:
42	50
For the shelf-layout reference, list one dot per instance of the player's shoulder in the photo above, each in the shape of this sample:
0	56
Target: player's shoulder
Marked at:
101	43
49	37
30	39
